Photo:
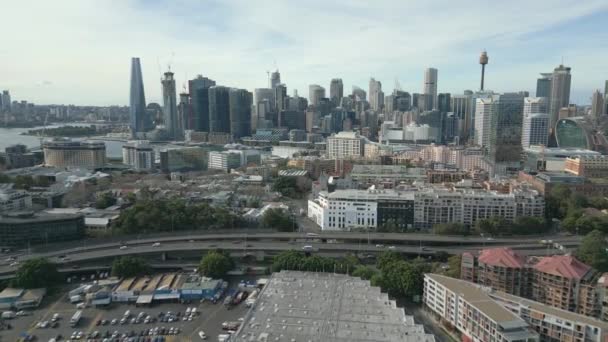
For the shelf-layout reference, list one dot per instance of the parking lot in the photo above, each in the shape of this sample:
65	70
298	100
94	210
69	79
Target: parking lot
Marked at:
209	318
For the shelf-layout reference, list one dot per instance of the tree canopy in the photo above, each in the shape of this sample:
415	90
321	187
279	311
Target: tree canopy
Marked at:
451	229
278	219
287	186
37	273
105	200
130	266
215	264
593	250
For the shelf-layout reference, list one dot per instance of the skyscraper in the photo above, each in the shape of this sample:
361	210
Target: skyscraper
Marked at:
170	107
315	94
264	103
444	104
219	109
359	94
137	100
376	96
240	101
535	105
463	107
336	91
597	104
535	130
275	79
543	85
184	113
199	94
430	88
560	93
6	101
280	98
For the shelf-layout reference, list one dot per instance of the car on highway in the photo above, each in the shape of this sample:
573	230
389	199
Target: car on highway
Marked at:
391	247
156	244
123	247
379	246
202	335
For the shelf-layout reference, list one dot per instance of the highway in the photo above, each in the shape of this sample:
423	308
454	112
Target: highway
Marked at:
172	249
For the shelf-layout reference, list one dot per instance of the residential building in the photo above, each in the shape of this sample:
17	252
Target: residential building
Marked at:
560	93
544	182
138	154
535	130
225	160
364	312
219	109
595	166
345	145
65	153
472	312
498	268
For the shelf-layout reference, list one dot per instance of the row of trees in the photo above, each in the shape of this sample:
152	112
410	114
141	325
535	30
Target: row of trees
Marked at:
524	225
65	131
24	182
172	215
593	250
569	207
392	273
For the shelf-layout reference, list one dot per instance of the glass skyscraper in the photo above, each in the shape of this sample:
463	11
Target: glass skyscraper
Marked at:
137	100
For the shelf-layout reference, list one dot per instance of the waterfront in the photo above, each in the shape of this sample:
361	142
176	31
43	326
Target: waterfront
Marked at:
12	136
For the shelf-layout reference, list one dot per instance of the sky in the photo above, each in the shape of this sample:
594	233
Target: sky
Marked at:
79	51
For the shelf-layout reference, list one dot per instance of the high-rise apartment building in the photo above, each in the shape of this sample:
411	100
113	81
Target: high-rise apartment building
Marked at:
137	100
315	94
345	145
336	91
138	154
170	107
504	150
560	93
535	130
219	109
240	101
430	88
199	98
376	96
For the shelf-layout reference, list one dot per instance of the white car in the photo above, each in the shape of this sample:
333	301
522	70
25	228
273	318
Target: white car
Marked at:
156	244
202	335
123	247
391	247
379	246
14	264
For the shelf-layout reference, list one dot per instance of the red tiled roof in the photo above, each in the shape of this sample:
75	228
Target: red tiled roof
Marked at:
563	265
503	257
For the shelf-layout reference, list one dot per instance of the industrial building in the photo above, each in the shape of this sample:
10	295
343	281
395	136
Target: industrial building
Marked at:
307	306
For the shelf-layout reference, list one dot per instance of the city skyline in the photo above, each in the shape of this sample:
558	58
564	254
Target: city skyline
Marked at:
236	45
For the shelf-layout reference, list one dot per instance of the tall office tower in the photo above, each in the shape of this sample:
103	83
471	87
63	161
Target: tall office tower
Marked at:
275	79
199	95
484	111
359	94
543	85
280	98
219	109
430	88
403	100
137	100
560	93
444	103
535	105
315	94
606	98
483	60
6	101
463	107
336	91
606	89
376	96
535	130
416	101
240	101
184	113
597	104
170	106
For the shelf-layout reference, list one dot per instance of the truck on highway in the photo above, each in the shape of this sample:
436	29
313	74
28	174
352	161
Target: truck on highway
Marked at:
76	318
76	299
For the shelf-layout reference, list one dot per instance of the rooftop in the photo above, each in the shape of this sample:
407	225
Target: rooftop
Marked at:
307	306
502	256
564	266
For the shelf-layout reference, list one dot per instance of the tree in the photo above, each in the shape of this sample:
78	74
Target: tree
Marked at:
451	229
278	219
403	279
492	226
130	266
105	200
593	250
525	225
37	273
390	226
386	258
288	260
287	186
364	272
215	264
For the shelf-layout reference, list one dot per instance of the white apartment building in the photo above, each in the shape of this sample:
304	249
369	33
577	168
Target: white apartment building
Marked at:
138	154
344	210
224	160
470	309
535	130
14	200
345	145
484	110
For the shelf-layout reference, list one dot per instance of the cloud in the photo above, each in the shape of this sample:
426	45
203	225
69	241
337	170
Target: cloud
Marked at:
85	46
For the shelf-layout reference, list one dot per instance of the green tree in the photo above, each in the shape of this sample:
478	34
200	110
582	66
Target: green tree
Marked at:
37	273
390	226
23	182
593	250
386	258
403	279
130	266
288	260
492	226
105	200
215	264
525	225
287	186
278	219
451	229
364	272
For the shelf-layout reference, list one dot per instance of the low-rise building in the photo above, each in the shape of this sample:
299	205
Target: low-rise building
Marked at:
587	166
12	200
22	228
225	160
19	299
183	159
65	153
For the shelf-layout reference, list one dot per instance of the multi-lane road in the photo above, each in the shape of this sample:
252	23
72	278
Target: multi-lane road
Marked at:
176	249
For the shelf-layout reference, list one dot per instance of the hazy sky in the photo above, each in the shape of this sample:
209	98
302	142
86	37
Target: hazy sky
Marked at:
79	51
